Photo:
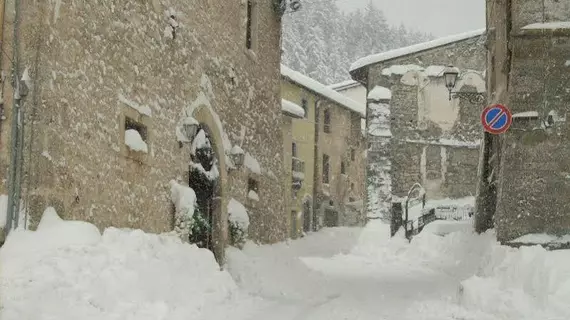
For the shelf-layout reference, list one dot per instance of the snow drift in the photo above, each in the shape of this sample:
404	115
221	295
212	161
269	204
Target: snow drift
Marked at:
68	270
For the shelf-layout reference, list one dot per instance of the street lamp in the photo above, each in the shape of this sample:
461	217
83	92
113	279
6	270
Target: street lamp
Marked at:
450	75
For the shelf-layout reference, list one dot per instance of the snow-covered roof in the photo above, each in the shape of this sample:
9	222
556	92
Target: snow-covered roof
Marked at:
388	55
548	25
322	90
380	93
292	109
344	85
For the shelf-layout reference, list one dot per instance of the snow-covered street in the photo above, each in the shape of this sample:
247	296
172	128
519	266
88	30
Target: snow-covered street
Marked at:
67	270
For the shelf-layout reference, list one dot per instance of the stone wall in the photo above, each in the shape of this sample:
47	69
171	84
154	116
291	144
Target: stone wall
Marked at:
434	141
344	141
534	178
92	62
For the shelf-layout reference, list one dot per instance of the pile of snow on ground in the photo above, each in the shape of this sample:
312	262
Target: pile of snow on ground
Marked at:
68	270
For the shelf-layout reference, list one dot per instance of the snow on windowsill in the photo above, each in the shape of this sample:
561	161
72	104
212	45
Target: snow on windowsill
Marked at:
134	141
447	142
292	108
528	114
388	55
548	25
541	239
252	195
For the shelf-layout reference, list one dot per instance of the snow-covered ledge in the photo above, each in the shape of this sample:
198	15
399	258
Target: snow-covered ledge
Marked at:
554	25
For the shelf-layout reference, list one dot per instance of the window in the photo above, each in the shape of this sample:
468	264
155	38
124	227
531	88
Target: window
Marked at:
294	150
342	167
132	124
304	105
352	154
326	167
327	116
351	199
252	185
352	186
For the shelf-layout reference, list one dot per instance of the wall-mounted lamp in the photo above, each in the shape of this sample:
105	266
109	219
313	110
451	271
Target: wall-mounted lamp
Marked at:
190	128
238	156
450	75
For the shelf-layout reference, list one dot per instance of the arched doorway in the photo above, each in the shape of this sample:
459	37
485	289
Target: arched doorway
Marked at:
204	179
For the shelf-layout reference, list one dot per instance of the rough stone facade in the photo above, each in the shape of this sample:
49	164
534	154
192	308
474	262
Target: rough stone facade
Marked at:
531	74
342	195
434	141
91	62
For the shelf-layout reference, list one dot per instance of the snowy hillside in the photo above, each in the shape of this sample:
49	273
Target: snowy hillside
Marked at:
322	42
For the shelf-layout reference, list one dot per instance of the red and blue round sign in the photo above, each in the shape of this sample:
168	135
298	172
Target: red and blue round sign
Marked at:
496	119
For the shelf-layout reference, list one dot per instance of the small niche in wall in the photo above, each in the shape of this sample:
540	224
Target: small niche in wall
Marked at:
136	135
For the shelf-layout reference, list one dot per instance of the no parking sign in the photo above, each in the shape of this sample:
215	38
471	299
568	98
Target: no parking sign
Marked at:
496	119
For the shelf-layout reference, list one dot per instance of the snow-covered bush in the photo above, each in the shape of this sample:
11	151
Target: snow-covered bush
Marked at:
189	222
238	223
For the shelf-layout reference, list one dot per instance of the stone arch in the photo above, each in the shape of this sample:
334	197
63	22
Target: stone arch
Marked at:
208	122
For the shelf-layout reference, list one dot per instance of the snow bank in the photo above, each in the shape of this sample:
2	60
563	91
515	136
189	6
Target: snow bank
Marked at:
378	256
238	214
134	141
444	227
380	93
525	283
3	210
68	270
323	90
388	55
292	108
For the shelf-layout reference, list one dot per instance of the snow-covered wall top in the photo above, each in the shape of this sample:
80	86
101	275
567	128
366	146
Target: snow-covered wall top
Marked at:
548	25
380	93
388	55
292	108
322	90
344	85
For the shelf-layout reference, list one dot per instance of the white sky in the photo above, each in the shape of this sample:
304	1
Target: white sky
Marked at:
439	17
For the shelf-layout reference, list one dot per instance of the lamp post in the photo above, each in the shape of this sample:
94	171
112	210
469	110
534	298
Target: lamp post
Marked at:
450	75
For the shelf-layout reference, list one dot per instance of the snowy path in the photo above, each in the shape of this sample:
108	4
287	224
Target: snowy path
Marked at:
331	282
68	270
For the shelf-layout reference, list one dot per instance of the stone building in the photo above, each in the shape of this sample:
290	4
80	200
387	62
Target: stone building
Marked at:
95	70
528	71
417	131
330	143
352	89
294	167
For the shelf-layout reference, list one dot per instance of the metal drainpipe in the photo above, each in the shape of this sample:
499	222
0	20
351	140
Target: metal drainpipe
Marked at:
316	165
17	126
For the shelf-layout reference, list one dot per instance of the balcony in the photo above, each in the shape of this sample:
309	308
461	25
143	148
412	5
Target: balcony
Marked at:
298	168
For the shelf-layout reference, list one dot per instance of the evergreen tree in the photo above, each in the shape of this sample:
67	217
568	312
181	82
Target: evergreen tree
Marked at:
322	42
